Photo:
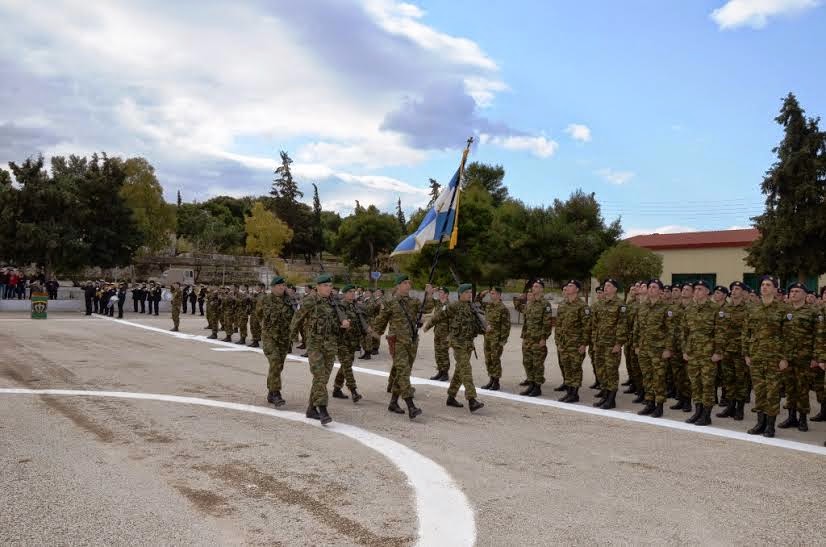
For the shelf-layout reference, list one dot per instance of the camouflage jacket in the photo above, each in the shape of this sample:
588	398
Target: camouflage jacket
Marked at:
319	318
441	329
698	326
214	301
573	324
350	338
499	319
400	313
464	325
820	335
177	297
799	332
275	314
538	321
653	326
728	333
763	331
609	327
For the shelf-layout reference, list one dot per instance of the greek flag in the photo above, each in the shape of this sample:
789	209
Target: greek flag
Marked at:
438	223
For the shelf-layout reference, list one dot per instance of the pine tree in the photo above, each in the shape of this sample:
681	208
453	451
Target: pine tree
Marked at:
793	225
435	187
359	209
283	186
318	231
179	198
400	214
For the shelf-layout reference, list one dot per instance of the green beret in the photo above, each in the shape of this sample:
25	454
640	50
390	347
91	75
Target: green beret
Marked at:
401	278
464	287
323	278
277	280
444	288
348	287
497	289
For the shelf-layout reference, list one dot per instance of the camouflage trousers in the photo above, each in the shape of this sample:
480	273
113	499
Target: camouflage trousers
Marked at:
633	367
734	377
702	373
533	359
255	328
210	317
679	375
346	354
797	380
368	343
653	370
176	315
607	365
596	362
493	357
229	324
570	361
241	324
321	355
276	355
765	378
441	346
399	381
463	373
817	383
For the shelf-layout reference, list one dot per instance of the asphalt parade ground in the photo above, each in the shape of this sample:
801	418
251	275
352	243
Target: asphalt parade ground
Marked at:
116	432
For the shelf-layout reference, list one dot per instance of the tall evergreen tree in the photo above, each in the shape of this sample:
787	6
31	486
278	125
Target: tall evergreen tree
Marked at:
318	229
435	188
793	225
283	186
400	214
179	198
489	177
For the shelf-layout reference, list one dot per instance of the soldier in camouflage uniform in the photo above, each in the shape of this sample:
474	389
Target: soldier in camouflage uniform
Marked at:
698	343
213	311
763	348
573	326
441	339
499	319
177	298
243	307
653	346
348	343
536	328
464	325
229	306
322	325
799	336
609	330
275	314
596	360
401	313
728	339
636	299
367	341
255	318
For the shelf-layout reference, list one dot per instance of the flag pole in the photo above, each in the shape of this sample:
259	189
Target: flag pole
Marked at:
441	232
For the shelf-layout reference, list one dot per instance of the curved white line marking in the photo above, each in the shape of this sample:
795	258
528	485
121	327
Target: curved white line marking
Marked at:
628	416
445	515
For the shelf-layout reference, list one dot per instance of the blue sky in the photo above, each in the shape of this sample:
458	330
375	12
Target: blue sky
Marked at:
663	109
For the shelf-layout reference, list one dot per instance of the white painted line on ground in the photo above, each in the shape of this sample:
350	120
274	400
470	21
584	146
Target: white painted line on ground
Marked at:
228	349
445	516
582	408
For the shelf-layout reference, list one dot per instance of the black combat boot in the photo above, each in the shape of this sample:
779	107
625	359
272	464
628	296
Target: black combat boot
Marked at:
760	427
525	382
561	387
705	417
564	398
602	396
338	394
312	413
412	409
729	410
658	411
698	411
356	395
536	391
487	386
374	352
324	416
274	398
254	344
595	385
242	342
631	388
647	409
791	421
451	401
573	396
212	337
820	416
174	329
610	401
494	386
640	398
687	405
528	390
365	355
739	406
228	338
474	405
678	405
802	423
394	405
769	432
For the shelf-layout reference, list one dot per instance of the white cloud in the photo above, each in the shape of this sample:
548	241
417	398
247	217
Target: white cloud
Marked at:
538	146
756	13
371	153
668	229
579	132
614	176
